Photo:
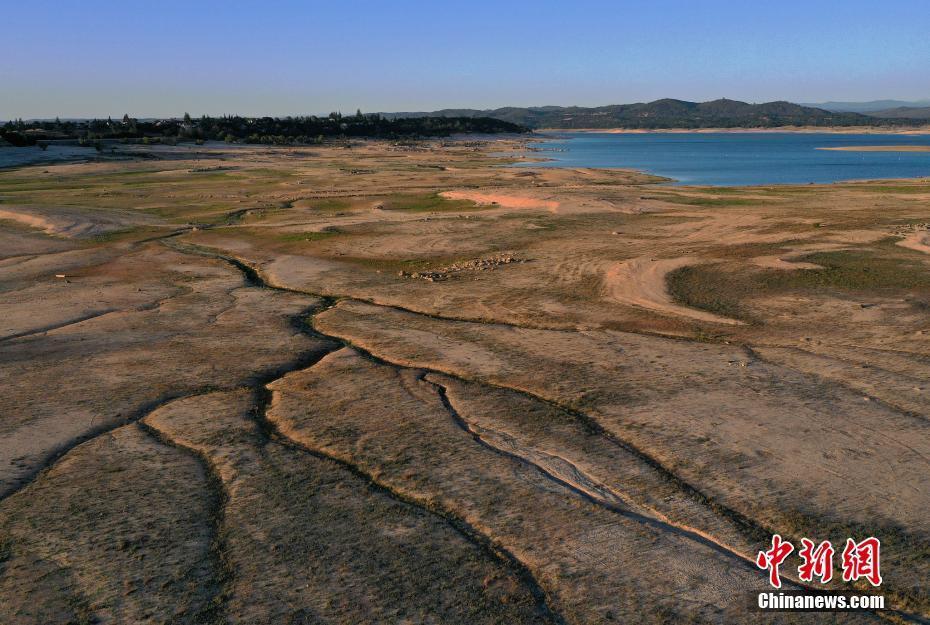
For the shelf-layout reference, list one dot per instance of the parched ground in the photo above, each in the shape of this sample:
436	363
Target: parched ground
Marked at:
405	383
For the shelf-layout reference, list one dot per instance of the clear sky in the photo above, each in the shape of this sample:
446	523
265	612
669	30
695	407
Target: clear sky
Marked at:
157	58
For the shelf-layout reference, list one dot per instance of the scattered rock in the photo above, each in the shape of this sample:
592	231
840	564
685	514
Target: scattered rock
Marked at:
906	229
200	170
478	264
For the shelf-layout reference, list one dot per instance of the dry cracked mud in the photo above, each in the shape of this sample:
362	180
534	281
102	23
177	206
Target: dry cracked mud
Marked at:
228	402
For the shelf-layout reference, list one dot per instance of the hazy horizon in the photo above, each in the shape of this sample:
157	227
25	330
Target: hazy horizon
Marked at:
350	111
99	59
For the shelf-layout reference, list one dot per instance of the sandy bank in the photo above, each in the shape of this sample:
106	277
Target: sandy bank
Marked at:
880	148
918	241
501	199
640	282
854	130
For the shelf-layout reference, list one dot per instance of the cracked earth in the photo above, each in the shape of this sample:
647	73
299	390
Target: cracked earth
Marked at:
227	402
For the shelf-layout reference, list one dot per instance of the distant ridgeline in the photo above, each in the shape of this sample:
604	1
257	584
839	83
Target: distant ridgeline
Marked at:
268	130
301	130
676	114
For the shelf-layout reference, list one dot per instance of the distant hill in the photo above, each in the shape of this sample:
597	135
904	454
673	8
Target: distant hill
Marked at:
904	112
665	113
873	107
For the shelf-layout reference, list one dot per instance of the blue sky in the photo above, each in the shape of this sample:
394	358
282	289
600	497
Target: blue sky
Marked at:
98	58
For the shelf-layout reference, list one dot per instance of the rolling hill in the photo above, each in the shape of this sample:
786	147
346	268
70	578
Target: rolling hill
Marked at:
873	107
905	112
666	113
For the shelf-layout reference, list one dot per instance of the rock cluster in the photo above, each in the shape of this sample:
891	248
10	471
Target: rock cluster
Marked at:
906	229
478	264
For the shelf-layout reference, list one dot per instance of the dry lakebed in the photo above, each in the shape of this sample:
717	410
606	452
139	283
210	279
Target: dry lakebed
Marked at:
381	382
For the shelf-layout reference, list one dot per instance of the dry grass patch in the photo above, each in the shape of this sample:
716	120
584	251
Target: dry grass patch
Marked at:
726	288
428	203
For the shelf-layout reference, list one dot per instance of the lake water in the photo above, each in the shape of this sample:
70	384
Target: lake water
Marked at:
734	159
17	157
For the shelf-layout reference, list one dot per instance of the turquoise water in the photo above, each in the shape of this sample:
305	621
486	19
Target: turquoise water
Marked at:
733	159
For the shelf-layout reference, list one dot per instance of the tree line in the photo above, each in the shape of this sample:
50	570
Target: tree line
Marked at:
237	129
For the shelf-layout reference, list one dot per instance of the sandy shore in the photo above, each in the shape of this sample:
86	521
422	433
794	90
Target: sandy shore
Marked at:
856	130
880	148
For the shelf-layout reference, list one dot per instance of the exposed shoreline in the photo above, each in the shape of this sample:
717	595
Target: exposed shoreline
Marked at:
879	148
852	130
